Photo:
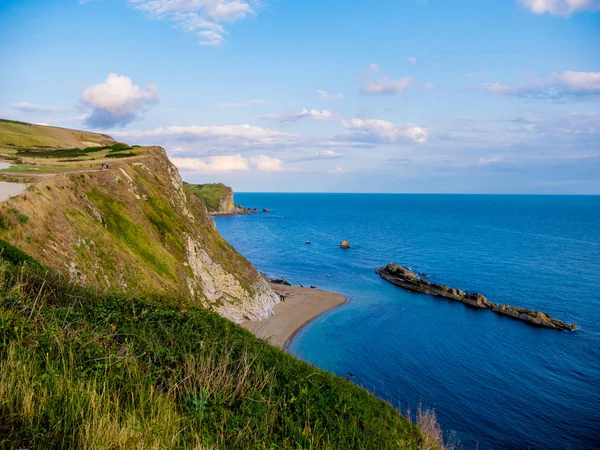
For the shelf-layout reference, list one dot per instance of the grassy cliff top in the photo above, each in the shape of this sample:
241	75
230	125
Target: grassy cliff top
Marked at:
34	148
85	369
210	194
22	134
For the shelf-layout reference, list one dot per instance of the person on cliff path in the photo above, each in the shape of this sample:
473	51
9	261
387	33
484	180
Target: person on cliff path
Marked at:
107	165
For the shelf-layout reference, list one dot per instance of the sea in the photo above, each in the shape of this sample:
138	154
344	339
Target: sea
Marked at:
494	382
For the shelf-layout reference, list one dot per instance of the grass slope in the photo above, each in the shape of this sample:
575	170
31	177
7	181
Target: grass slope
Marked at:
43	149
21	134
84	369
210	194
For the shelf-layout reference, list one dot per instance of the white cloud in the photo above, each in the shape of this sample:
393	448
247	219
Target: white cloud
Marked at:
117	101
564	8
210	139
267	164
497	88
337	170
386	86
294	116
484	160
326	154
327	95
556	85
202	17
228	163
412	60
382	131
578	82
35	108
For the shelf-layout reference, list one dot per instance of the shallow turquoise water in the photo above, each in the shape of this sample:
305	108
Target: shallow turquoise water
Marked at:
495	382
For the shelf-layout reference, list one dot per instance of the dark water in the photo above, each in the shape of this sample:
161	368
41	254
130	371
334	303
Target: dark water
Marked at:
495	382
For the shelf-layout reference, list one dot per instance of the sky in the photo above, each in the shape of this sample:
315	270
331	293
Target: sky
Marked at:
431	96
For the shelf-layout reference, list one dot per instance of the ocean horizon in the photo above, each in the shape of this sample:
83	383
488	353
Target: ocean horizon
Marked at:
494	382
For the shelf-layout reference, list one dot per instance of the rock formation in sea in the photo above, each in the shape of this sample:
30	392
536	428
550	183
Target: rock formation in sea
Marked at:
405	278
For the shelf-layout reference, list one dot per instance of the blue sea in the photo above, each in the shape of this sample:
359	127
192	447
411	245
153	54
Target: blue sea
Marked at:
494	382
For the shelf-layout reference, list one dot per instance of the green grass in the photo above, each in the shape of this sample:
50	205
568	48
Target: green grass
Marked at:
129	233
121	154
56	153
15	122
84	369
25	168
209	194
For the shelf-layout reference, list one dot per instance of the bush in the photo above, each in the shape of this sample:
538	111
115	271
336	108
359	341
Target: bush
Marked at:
18	215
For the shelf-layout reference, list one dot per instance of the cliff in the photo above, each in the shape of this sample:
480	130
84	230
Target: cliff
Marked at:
403	277
217	197
135	227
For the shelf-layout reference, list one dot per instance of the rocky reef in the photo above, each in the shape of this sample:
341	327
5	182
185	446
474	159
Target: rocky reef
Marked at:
405	278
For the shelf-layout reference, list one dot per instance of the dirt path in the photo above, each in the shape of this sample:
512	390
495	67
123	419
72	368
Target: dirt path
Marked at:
8	190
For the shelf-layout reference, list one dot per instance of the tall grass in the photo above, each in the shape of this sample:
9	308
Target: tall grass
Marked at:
85	369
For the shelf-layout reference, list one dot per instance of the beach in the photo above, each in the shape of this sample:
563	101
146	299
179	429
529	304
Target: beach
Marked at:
300	306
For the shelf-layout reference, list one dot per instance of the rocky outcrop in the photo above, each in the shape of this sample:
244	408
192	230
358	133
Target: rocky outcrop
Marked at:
217	197
226	204
403	277
345	244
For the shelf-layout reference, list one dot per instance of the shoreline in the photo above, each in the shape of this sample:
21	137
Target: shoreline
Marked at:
299	308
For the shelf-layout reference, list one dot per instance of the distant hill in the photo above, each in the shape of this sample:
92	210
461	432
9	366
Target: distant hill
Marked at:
22	134
217	197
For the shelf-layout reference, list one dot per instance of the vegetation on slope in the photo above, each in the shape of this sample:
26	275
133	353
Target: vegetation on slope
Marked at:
212	194
135	227
37	148
81	368
21	134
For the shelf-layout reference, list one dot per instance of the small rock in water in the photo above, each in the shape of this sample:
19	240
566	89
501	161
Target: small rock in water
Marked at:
266	210
345	244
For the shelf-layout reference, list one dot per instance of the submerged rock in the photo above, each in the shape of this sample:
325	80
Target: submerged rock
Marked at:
403	277
282	281
345	244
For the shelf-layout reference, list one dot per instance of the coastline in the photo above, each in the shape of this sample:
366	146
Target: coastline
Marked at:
300	307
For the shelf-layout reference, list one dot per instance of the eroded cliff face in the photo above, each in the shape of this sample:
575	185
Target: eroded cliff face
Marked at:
136	227
217	197
226	205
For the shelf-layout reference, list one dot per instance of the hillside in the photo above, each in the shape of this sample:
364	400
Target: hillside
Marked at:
134	227
37	149
80	368
217	197
22	134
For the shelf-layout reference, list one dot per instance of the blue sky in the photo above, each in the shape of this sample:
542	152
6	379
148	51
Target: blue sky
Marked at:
501	96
